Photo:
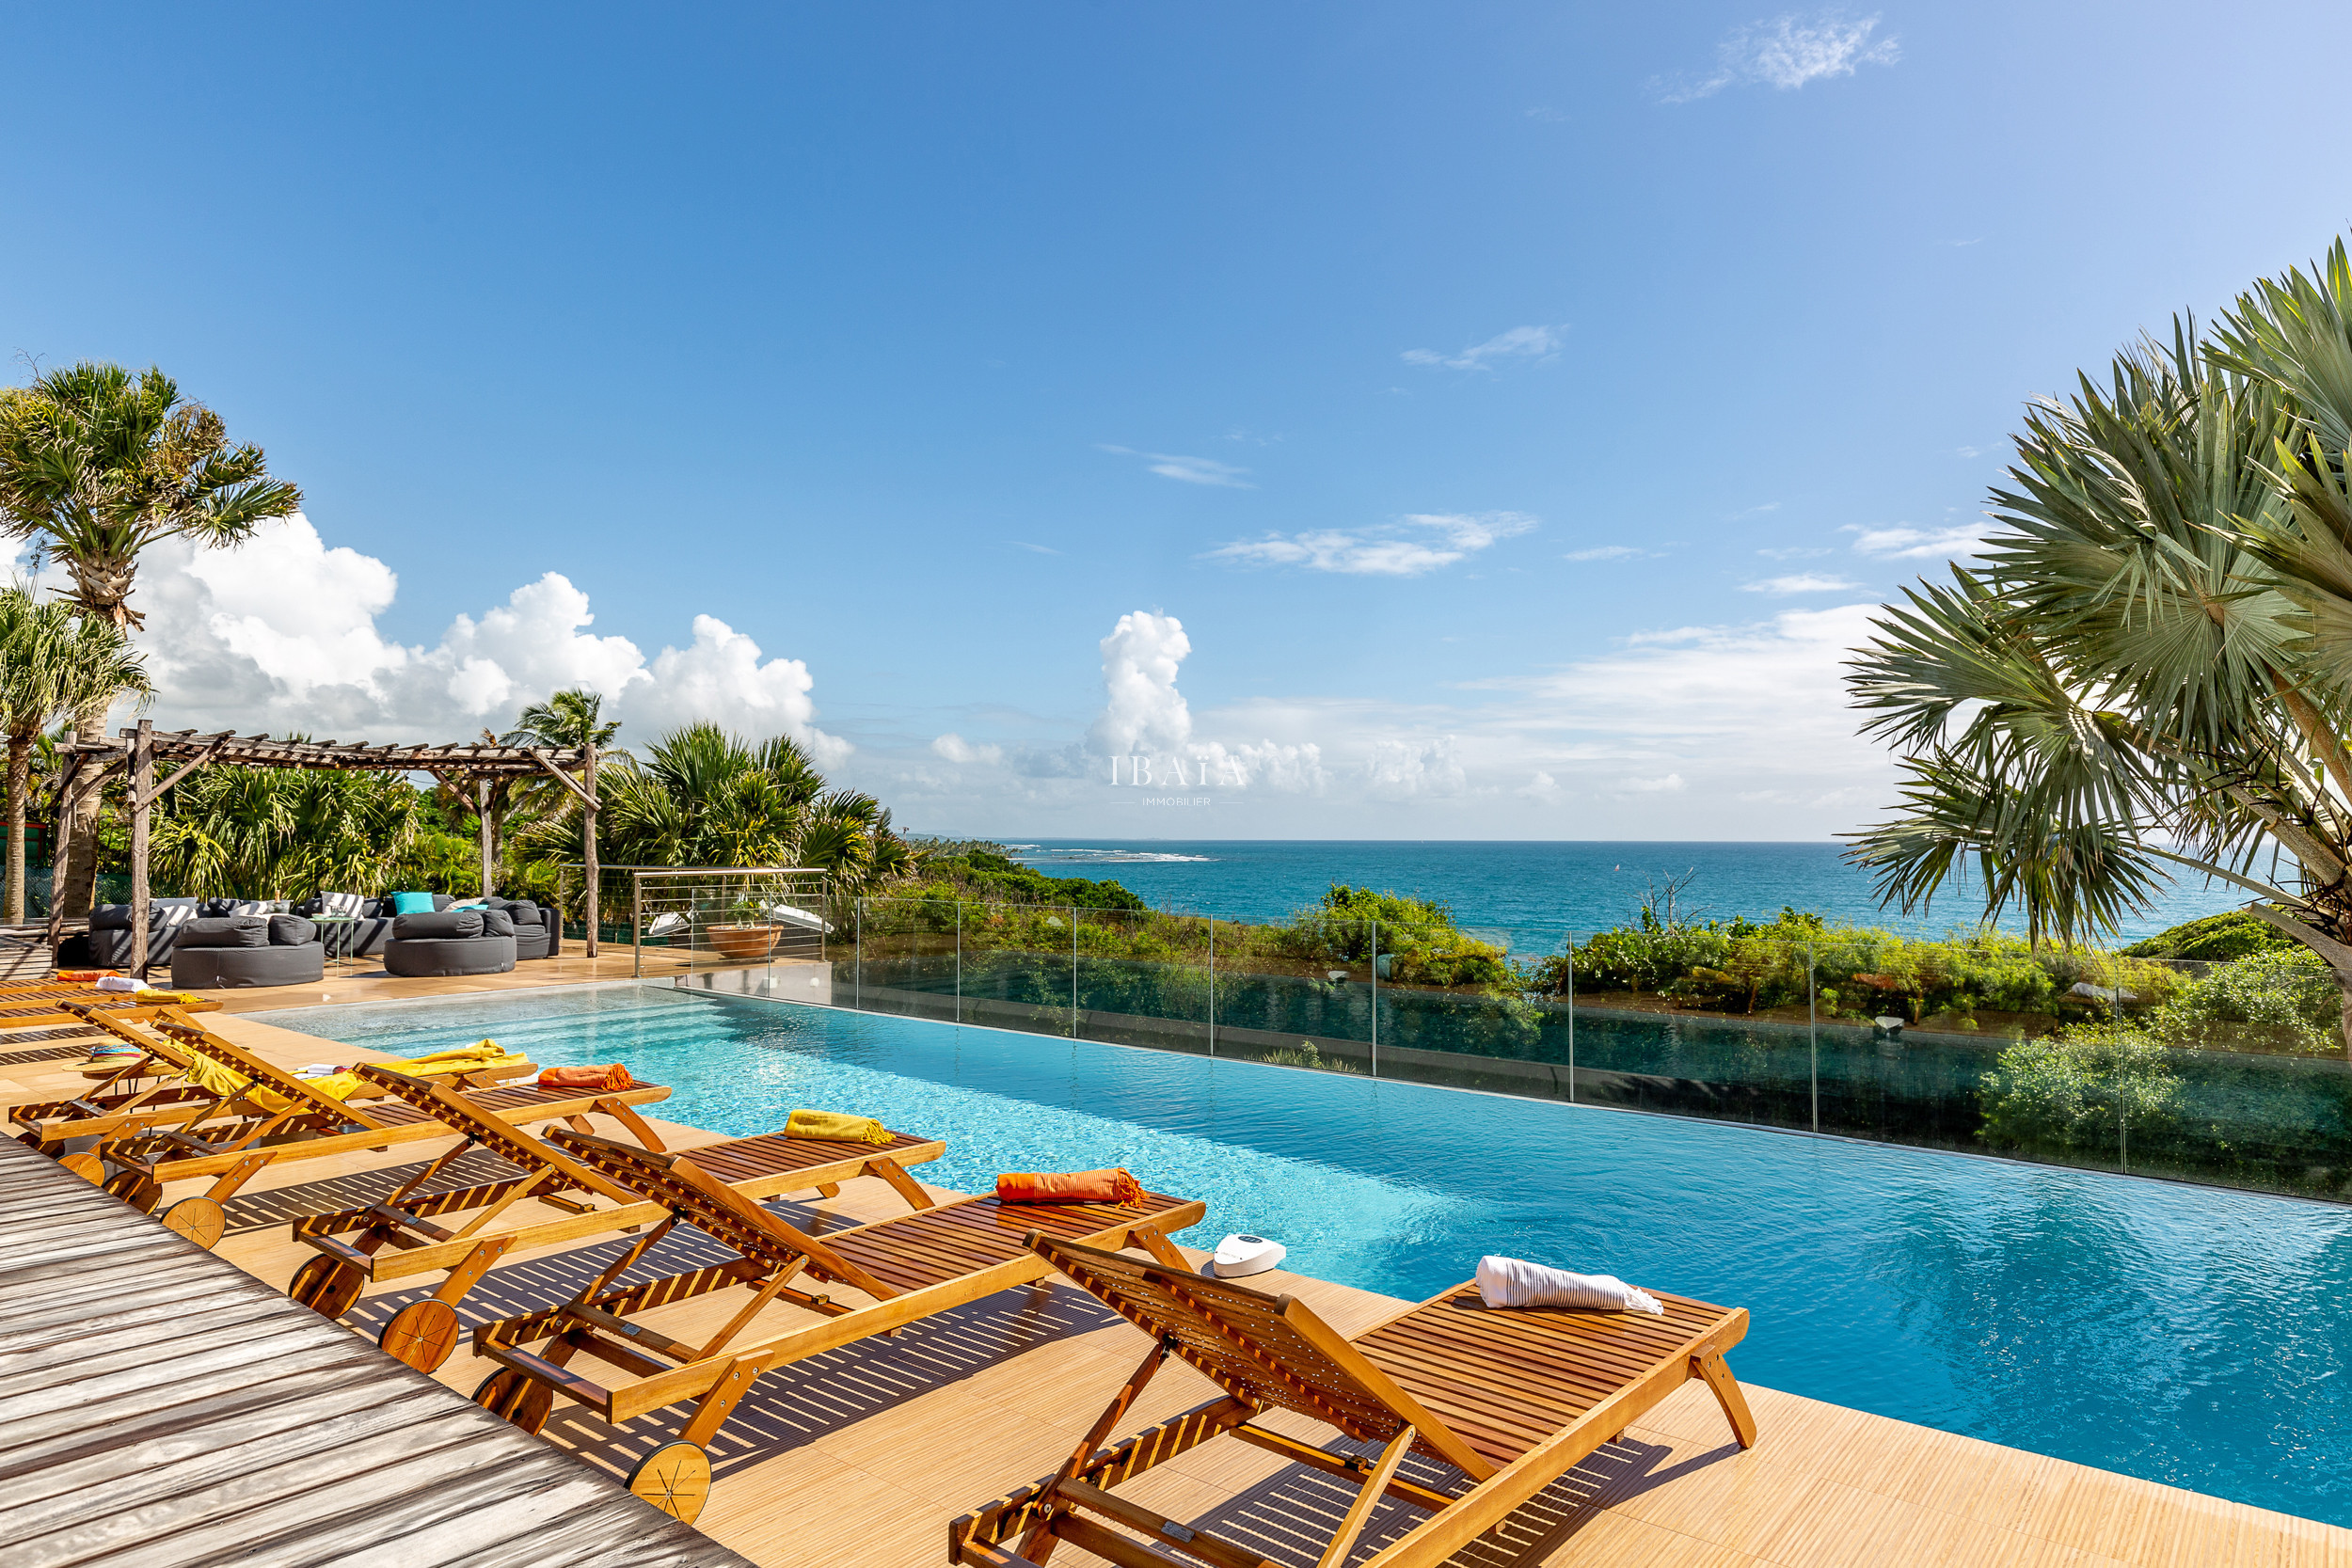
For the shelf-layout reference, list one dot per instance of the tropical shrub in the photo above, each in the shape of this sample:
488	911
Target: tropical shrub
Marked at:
2074	1091
2286	995
2215	938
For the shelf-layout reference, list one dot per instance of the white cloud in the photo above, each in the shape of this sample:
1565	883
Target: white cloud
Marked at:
1666	785
958	750
1521	343
1604	552
280	634
1792	552
1802	582
1192	470
1442	539
1542	786
1033	549
1903	542
1407	770
1786	53
1965	452
1142	709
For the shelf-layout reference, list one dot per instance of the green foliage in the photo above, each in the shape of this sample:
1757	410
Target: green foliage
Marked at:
2213	938
2074	1091
1307	1055
270	832
2286	996
981	873
54	663
1417	935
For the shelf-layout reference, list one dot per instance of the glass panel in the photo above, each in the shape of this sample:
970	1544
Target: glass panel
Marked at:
1016	967
1143	979
1297	995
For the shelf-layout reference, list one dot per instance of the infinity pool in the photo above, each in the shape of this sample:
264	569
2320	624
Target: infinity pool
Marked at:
2181	1334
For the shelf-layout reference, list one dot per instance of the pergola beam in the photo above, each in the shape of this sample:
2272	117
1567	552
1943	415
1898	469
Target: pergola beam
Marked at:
88	768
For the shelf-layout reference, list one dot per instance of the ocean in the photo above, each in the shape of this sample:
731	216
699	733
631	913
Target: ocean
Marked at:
1530	896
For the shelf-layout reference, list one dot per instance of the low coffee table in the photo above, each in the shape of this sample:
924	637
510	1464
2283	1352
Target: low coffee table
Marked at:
336	932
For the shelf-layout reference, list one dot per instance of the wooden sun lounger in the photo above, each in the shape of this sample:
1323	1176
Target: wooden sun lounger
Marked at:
408	1232
908	1267
53	1002
1511	1398
312	1126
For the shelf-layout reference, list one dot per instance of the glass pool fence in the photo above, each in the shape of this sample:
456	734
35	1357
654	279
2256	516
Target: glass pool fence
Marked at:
2231	1074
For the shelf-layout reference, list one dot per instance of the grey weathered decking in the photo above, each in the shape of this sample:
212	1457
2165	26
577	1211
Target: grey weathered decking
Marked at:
161	1407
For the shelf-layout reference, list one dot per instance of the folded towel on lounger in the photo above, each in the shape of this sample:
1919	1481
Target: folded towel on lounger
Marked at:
1509	1282
1080	1186
836	1125
613	1075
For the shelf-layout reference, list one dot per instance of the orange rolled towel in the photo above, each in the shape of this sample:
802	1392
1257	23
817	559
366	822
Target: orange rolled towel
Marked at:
1077	1186
613	1075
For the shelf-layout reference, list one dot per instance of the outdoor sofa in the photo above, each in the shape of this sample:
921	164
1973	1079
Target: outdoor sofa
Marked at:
536	931
451	941
231	951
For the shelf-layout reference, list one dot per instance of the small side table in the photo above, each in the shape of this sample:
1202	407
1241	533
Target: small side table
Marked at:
336	933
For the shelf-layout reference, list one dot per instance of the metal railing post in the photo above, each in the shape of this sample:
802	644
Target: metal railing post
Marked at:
1812	1028
1571	1017
1375	997
636	925
857	955
1212	985
1073	972
959	960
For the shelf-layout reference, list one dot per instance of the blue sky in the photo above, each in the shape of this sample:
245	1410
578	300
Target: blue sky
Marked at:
1441	420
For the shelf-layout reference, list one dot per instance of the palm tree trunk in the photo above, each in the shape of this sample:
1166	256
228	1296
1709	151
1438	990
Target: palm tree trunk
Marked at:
79	891
19	784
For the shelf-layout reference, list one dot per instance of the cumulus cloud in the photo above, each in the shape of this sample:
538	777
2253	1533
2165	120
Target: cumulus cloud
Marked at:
1521	343
1786	53
958	750
1143	710
1420	543
1192	470
1903	542
280	634
1801	582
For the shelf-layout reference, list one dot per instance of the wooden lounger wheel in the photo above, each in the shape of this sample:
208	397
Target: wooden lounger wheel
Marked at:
328	1286
676	1479
523	1401
88	1166
422	1334
136	1188
201	1219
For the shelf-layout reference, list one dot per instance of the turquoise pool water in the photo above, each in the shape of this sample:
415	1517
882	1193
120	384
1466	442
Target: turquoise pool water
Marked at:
2183	1334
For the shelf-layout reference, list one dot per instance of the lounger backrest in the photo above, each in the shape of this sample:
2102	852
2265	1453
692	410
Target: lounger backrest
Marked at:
195	1038
1267	1349
500	1137
675	1182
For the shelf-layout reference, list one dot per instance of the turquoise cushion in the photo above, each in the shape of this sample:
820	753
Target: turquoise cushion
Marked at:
412	903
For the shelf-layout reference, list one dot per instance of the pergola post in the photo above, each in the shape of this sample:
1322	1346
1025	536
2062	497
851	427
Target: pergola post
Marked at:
142	801
588	826
482	814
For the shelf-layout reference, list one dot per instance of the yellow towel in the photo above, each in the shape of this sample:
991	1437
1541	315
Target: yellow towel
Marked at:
834	1125
216	1079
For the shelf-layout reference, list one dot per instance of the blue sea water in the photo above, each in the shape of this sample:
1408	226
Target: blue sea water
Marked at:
2180	1333
1533	894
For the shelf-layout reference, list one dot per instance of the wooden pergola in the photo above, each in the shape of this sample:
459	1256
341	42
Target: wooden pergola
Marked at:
87	768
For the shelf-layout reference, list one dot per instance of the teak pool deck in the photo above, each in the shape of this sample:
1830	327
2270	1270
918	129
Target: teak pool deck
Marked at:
864	1455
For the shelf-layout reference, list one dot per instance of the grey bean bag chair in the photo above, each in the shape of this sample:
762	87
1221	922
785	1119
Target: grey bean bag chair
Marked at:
451	941
235	951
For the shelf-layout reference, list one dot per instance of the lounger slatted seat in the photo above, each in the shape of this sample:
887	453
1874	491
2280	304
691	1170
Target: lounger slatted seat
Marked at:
409	1232
64	1005
232	1149
1511	1398
908	1267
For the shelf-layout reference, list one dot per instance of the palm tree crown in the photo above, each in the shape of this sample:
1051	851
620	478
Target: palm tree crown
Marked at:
97	462
53	663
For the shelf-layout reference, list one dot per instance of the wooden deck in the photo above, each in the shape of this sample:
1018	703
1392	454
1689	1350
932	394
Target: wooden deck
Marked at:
158	1408
864	1455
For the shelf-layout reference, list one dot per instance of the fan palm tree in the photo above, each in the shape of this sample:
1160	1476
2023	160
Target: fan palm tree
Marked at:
52	664
97	462
268	832
2152	665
